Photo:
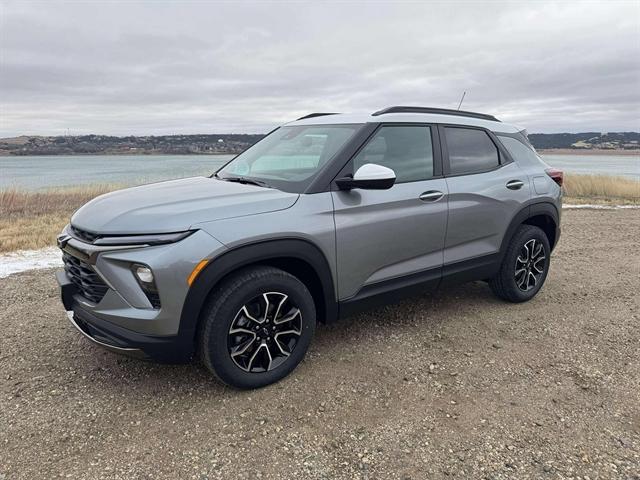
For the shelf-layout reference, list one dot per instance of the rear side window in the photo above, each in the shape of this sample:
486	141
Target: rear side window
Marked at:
407	150
470	151
520	152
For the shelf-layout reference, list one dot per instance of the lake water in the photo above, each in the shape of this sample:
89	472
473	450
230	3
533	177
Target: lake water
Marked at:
619	165
39	172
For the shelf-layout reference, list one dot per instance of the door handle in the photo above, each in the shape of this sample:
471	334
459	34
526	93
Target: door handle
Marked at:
431	196
515	184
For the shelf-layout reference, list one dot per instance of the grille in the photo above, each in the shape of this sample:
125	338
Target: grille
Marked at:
82	235
89	283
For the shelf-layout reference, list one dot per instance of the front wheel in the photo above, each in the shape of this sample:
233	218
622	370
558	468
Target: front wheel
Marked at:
257	327
524	267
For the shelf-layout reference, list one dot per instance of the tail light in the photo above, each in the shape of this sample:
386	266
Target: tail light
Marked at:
556	175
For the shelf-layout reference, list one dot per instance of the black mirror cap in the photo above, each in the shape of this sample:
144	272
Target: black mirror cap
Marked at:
348	183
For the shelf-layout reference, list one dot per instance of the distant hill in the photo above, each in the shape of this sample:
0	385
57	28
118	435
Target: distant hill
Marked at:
587	140
107	145
236	143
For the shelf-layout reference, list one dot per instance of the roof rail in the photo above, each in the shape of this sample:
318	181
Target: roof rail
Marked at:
440	111
312	115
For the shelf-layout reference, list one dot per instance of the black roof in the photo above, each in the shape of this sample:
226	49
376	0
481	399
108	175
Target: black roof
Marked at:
440	111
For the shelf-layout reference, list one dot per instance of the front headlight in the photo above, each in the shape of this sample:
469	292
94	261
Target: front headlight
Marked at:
143	239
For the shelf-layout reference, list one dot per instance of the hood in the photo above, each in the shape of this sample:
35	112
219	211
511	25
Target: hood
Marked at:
176	205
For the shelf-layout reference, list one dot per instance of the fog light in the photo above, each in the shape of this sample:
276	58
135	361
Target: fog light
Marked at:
144	277
144	274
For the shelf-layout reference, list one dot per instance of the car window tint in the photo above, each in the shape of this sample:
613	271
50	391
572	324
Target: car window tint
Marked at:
520	152
407	150
470	151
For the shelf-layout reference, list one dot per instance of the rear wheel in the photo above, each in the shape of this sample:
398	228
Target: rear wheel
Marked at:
257	327
524	267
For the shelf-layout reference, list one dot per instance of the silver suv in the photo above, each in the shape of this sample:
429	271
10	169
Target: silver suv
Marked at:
325	216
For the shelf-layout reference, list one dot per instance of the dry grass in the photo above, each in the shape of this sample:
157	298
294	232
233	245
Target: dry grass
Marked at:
601	189
30	233
14	202
31	220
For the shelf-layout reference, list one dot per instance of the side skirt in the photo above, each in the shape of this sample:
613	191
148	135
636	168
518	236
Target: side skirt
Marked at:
479	268
390	291
396	289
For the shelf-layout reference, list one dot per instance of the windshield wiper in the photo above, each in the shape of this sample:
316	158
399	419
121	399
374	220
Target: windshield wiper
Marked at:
244	180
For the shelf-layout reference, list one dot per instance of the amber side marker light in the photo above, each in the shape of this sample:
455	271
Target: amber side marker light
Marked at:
196	271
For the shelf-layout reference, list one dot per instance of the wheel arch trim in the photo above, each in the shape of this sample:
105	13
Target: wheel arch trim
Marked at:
256	253
540	208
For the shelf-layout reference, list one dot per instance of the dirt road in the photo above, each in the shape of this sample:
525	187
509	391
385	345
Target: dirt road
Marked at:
452	385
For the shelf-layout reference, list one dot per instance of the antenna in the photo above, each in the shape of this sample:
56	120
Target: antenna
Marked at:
463	94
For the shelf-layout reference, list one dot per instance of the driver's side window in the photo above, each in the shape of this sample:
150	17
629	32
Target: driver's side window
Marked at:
406	149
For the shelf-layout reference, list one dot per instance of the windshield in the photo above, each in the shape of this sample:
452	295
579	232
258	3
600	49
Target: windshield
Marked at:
290	157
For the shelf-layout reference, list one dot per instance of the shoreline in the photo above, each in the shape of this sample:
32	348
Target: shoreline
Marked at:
117	154
592	151
541	151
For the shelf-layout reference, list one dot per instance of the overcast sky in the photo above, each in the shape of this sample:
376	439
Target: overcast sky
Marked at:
220	67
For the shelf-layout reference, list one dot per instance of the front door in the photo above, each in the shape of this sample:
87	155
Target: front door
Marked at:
384	235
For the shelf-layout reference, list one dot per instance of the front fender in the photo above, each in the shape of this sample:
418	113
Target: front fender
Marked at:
254	253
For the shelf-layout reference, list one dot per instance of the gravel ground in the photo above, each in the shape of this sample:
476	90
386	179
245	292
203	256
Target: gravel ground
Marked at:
452	385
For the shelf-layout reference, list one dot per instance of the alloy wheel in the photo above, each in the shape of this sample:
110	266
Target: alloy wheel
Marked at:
530	264
264	332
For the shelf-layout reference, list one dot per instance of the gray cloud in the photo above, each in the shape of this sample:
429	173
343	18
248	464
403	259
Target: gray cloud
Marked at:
196	67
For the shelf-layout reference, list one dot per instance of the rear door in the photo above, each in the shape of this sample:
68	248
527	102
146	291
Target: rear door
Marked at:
384	235
486	190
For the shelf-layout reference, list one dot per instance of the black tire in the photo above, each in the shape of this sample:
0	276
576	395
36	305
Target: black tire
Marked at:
509	283
237	303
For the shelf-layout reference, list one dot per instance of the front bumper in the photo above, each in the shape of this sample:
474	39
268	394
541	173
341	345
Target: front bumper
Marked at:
109	307
109	290
166	349
89	333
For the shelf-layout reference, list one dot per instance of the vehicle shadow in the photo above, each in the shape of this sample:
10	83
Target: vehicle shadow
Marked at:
430	308
431	311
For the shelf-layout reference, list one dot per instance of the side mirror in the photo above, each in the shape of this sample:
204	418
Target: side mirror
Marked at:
369	176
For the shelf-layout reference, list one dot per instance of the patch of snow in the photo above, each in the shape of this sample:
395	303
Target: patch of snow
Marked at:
601	207
23	260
